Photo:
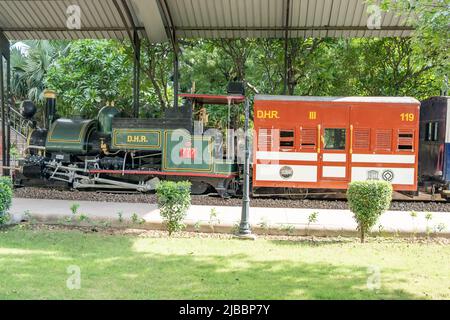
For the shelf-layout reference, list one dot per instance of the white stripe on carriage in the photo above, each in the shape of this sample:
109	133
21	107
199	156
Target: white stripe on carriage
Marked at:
383	158
277	155
334	157
271	172
333	172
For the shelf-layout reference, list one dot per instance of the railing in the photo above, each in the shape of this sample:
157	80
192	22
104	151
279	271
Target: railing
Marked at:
18	123
20	128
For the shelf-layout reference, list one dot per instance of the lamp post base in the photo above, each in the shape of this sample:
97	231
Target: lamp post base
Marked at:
245	236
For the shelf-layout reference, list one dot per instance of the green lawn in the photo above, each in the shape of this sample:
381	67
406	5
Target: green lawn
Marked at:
33	264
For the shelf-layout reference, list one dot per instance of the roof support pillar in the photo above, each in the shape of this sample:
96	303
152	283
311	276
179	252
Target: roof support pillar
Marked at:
127	19
5	101
175	78
136	73
286	40
171	34
285	74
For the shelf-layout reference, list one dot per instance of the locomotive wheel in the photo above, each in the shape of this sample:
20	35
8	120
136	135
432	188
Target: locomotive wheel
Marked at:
295	193
198	187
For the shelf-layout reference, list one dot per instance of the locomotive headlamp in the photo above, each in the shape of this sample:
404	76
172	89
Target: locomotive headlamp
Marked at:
49	94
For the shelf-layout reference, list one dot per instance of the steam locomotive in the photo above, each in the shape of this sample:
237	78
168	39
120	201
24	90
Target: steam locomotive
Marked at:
300	144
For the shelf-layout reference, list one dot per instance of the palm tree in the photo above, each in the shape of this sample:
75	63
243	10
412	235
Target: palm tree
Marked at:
28	69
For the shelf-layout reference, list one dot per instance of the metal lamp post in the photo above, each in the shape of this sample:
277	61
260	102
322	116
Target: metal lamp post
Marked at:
244	226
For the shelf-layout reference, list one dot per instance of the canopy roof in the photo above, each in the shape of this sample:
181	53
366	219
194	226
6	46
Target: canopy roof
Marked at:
159	20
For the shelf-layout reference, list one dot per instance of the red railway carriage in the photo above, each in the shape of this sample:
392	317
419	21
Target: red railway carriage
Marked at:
326	142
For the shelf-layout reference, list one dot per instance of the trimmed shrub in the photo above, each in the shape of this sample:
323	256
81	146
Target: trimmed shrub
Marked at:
6	193
174	199
368	200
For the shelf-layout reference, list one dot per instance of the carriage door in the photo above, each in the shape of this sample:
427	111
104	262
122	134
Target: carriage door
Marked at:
334	148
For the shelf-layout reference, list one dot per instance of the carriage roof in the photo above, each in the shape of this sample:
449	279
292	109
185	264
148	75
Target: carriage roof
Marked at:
337	99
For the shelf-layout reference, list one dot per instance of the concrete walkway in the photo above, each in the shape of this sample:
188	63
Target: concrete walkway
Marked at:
224	219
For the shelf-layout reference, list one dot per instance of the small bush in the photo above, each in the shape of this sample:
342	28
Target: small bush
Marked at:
174	199
6	193
136	220
120	216
368	200
74	208
312	218
288	228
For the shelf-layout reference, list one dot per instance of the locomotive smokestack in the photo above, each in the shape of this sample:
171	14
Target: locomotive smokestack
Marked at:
50	107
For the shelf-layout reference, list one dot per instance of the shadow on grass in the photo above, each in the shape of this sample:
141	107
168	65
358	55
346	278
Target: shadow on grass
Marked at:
312	242
112	268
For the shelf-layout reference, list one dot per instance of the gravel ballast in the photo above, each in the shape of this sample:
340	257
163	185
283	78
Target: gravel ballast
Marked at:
213	200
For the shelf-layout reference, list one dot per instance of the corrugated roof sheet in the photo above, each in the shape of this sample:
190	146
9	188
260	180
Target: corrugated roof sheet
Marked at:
267	18
46	19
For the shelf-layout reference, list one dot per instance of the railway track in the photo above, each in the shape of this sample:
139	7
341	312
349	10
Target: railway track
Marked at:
215	200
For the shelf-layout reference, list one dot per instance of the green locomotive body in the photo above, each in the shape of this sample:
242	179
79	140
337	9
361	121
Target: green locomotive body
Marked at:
113	152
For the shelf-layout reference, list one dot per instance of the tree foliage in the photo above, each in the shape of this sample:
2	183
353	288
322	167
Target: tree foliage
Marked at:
29	67
157	86
5	198
90	74
174	199
431	37
368	200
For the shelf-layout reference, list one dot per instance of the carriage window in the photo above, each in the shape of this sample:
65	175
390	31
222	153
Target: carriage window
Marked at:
434	137
383	139
405	139
334	139
431	131
265	139
361	139
308	138
287	138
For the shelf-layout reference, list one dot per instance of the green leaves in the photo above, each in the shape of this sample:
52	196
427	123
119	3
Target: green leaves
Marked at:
368	200
92	73
174	199
28	71
5	198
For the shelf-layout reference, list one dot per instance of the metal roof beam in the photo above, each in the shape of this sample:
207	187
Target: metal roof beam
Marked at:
168	22
307	28
135	43
130	18
130	30
58	29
